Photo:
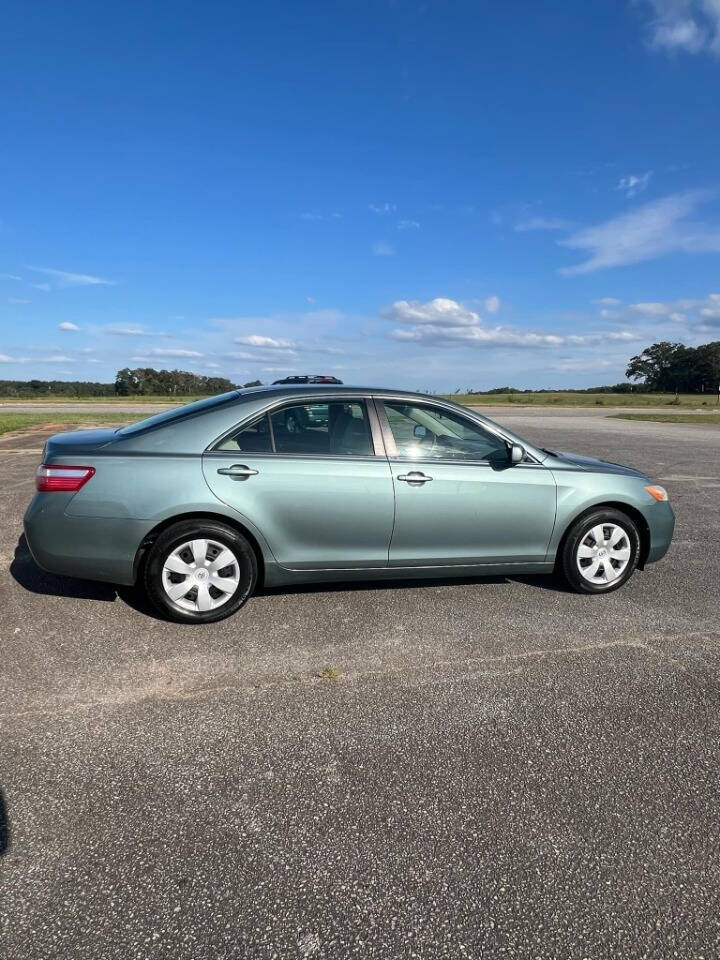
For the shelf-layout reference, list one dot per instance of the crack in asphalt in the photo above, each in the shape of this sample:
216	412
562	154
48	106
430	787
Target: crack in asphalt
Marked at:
167	685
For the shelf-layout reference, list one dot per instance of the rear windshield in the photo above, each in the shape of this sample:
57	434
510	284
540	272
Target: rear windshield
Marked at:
179	413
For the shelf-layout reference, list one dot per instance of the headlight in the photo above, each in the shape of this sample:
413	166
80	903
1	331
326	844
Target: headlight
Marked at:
659	493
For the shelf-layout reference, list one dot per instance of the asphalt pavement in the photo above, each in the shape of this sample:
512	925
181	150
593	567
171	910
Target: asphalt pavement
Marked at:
487	768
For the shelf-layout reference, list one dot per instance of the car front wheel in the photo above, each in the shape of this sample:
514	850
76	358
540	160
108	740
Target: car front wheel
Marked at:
200	571
601	552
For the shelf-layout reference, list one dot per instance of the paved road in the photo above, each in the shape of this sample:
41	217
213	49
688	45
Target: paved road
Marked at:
499	410
499	769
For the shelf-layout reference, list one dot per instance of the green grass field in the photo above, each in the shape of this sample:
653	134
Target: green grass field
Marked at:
703	418
565	399
10	422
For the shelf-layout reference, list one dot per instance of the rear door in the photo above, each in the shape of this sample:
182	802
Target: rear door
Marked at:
313	478
457	498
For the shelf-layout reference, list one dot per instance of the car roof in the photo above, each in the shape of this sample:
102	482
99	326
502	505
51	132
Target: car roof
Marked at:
293	389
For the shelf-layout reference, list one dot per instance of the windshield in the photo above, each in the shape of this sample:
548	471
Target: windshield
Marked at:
179	413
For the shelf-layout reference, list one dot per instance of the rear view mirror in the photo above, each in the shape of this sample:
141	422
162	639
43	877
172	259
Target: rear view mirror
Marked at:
419	431
517	453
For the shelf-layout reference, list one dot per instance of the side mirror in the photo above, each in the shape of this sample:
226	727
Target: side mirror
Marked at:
517	453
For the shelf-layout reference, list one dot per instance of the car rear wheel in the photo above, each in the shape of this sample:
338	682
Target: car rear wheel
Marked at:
200	571
601	552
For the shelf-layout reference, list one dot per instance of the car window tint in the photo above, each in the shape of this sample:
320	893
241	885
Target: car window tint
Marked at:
333	428
424	431
253	438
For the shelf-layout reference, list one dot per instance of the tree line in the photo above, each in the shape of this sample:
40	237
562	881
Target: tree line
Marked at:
146	381
665	366
143	381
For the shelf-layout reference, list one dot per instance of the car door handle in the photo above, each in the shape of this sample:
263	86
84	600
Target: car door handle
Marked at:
415	476
238	471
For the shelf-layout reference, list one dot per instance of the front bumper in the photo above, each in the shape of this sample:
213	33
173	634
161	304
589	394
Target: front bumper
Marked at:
661	524
94	548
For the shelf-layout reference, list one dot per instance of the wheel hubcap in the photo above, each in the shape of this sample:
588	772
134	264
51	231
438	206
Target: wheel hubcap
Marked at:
603	553
201	575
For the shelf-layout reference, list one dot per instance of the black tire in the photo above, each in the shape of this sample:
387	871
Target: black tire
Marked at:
580	532
182	532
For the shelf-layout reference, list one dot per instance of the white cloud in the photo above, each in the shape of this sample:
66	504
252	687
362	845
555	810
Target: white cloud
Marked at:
408	225
381	249
440	312
651	309
543	223
687	26
632	184
17	300
447	321
4	358
382	207
311	216
492	304
132	332
174	352
57	358
646	233
608	302
65	279
272	343
712	308
10	276
66	325
242	355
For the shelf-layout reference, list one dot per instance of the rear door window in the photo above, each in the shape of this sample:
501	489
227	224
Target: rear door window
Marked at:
333	428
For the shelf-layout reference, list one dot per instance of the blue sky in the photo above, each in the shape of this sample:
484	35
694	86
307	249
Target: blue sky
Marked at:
436	195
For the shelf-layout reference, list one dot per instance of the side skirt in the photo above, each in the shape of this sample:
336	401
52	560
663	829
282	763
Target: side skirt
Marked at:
277	576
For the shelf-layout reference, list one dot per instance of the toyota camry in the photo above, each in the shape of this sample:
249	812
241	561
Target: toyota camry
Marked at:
271	486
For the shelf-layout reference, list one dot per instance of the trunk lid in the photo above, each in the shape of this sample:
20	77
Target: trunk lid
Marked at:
78	443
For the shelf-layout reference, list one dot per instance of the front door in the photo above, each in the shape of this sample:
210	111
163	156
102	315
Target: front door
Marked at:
309	478
457	498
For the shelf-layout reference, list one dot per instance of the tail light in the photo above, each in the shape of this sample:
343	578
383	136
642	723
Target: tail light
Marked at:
60	478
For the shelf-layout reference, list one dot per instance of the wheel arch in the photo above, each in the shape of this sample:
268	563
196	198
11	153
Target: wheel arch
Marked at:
629	510
152	535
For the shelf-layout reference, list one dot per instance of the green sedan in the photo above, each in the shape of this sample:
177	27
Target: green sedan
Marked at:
283	485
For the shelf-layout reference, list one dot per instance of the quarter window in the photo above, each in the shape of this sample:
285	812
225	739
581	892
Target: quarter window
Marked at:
424	432
253	438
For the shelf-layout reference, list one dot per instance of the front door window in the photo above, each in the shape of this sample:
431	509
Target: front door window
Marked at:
424	432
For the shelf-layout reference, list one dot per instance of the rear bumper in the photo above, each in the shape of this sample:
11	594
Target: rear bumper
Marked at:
88	547
661	524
